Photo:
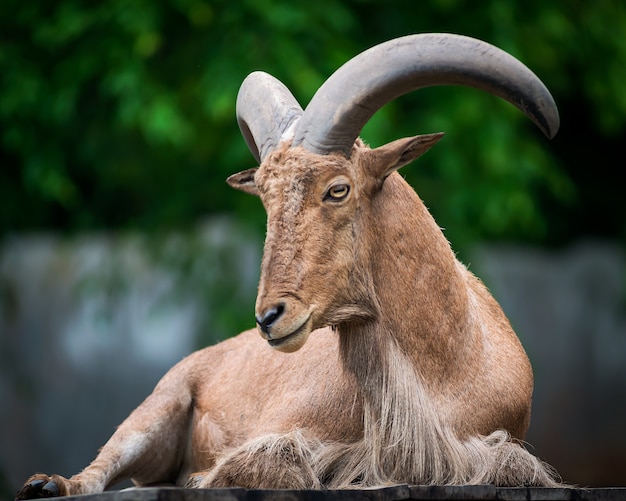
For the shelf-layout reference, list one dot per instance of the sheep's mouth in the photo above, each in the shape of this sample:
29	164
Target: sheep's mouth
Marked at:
291	338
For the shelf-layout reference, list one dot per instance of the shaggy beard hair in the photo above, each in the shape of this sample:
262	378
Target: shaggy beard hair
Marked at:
405	442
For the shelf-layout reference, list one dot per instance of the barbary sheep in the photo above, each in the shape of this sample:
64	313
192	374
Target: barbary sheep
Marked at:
402	368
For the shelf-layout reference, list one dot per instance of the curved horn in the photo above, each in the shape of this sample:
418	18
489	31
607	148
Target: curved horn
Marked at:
347	100
266	113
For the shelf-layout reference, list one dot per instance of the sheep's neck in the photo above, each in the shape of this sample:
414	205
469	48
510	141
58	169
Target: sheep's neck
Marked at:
417	345
420	289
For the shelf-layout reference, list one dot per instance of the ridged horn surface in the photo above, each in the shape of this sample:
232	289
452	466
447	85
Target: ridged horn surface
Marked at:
266	113
347	100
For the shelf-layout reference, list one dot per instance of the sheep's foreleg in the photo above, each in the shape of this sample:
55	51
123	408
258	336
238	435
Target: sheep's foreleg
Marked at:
146	447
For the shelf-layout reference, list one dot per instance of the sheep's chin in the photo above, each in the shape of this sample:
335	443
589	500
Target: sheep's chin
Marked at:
291	342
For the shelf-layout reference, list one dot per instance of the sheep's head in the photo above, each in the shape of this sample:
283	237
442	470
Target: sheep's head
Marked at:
317	180
312	273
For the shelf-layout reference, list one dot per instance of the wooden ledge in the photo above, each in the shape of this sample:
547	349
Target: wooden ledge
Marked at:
395	493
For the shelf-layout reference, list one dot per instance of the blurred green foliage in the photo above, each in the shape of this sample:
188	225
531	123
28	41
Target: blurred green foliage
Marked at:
120	114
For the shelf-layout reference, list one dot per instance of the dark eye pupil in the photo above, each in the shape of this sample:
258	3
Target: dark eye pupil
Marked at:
339	191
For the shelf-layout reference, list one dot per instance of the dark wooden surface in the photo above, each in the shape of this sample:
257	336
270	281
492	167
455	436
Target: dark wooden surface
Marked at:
395	493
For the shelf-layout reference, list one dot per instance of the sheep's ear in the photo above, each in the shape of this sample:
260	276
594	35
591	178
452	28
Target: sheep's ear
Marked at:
244	181
392	156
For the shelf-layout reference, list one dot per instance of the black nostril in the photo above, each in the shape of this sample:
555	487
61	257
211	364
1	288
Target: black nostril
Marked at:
269	316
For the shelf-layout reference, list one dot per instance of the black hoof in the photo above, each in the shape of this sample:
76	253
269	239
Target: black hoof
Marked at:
38	489
50	490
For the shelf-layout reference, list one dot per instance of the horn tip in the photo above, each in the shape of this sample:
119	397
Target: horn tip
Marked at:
550	125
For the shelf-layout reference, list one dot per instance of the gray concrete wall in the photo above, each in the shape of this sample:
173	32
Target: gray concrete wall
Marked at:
88	326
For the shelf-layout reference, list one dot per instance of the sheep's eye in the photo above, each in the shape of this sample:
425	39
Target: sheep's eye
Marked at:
337	192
